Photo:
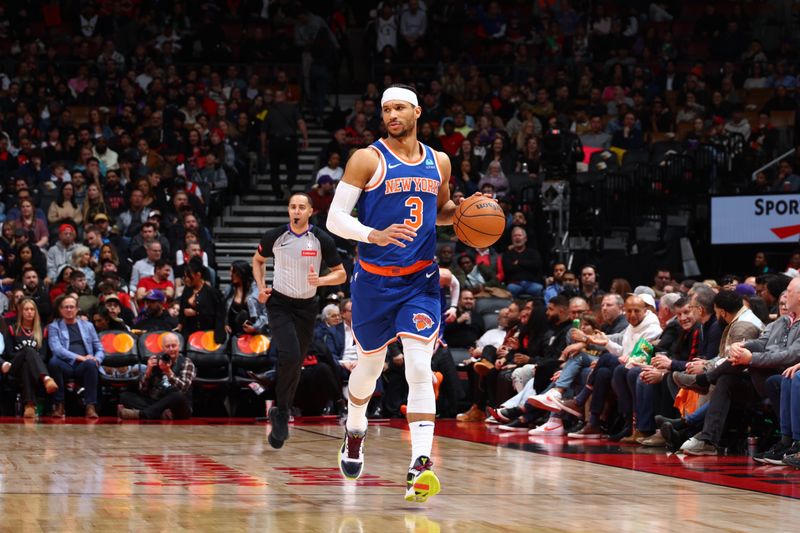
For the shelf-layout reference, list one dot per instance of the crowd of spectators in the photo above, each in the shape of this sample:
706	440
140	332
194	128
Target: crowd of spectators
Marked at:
696	365
514	79
126	127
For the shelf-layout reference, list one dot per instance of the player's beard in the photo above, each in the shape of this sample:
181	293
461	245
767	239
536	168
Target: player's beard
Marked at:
405	132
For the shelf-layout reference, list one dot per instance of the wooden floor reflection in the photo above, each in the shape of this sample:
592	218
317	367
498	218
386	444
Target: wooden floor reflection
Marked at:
131	477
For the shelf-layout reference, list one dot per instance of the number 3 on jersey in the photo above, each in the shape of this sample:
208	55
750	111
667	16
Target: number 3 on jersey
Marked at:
415	213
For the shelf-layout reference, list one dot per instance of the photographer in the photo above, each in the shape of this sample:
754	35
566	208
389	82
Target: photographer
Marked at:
165	387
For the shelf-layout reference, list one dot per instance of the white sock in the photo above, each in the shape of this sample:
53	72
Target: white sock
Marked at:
356	417
421	439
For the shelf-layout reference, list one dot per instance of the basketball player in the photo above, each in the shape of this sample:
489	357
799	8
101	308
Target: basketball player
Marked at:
400	188
299	249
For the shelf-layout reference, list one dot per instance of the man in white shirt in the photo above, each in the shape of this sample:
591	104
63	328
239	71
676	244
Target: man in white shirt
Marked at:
413	24
146	267
105	154
334	170
349	355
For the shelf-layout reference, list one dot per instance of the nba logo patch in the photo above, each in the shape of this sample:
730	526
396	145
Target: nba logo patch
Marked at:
422	321
429	162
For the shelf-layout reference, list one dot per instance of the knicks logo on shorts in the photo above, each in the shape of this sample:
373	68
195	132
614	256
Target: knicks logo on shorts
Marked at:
422	321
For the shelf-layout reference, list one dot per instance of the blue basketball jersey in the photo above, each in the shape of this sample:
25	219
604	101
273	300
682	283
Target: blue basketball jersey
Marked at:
398	193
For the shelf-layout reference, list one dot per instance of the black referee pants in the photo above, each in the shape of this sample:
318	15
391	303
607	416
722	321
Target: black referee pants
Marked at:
292	323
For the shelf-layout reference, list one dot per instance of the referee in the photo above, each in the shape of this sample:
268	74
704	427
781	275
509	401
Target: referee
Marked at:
299	250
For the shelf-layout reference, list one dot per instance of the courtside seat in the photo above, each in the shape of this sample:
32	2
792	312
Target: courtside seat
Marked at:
249	353
121	355
210	359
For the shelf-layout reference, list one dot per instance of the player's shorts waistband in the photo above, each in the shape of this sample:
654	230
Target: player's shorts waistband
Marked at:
394	270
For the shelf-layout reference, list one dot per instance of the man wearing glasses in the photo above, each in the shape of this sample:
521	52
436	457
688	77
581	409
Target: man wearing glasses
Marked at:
77	353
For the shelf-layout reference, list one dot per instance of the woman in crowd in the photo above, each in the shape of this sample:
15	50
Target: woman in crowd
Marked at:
467	152
94	203
426	135
98	125
71	149
84	154
27	254
526	131
61	283
500	153
202	306
65	208
147	191
530	157
108	252
620	286
103	320
25	344
7	244
30	222
245	314
81	260
467	178
496	178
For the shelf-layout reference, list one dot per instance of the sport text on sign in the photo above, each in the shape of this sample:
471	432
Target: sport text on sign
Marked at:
755	219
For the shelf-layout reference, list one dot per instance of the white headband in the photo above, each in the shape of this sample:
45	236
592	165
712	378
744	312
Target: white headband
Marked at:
398	93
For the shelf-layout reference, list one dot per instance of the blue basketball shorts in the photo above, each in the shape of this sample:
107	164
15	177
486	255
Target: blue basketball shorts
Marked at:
388	307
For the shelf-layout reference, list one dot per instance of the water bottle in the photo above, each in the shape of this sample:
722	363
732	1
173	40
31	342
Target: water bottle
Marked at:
752	445
257	388
18	405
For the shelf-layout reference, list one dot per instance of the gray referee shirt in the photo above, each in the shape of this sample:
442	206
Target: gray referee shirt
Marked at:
294	254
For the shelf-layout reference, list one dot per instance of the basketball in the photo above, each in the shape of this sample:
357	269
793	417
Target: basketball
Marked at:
479	221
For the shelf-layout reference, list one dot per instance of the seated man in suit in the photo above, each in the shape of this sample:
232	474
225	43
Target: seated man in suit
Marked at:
77	353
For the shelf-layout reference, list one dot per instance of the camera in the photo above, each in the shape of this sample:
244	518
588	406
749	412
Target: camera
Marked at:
165	358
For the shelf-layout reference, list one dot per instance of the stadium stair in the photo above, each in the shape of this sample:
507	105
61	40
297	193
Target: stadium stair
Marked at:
239	229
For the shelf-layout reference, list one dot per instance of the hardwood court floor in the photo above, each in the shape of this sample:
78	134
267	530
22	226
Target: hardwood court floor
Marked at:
224	477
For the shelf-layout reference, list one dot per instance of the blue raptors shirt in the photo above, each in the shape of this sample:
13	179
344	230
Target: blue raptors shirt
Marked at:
401	193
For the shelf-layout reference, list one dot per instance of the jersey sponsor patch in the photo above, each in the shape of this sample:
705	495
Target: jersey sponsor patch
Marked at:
309	253
422	321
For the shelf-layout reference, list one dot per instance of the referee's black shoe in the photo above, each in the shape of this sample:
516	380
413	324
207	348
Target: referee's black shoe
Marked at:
279	420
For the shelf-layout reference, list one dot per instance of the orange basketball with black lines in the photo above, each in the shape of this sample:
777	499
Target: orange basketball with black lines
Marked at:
479	221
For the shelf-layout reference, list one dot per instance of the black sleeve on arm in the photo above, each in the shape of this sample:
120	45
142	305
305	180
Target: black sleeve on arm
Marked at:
268	241
330	255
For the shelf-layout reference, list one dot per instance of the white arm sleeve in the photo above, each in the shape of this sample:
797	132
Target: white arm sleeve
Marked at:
340	221
455	291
